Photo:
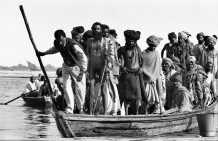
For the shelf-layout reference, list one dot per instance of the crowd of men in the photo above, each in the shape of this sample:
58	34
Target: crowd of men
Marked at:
94	64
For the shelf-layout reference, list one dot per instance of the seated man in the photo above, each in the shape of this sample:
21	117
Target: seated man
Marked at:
43	91
31	87
181	98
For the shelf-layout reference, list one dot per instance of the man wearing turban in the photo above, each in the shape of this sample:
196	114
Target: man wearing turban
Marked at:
168	87
152	72
191	80
181	98
210	54
200	46
185	47
130	86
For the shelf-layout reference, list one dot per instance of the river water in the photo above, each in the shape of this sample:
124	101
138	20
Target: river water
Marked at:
20	122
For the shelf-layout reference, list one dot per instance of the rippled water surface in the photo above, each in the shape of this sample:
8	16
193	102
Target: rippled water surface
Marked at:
20	122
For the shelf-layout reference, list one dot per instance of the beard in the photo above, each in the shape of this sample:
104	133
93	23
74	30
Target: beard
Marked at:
130	46
97	35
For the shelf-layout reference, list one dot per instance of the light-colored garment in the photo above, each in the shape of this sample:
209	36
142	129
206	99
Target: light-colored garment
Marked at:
206	56
168	87
182	99
113	98
67	73
39	84
30	87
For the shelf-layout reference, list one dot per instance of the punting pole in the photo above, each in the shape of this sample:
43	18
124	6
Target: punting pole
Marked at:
36	51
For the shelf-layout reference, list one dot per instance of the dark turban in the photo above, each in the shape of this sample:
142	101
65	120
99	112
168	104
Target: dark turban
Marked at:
87	34
79	29
200	34
132	35
172	35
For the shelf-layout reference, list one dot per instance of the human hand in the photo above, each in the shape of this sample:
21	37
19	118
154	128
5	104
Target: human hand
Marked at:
140	71
80	77
38	53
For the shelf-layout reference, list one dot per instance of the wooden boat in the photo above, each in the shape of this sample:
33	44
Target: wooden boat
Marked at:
78	125
37	101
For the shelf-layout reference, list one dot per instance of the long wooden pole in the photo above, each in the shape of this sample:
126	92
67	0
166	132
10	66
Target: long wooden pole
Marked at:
35	48
39	59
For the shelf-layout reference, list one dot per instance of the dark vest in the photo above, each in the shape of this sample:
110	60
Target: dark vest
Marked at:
69	47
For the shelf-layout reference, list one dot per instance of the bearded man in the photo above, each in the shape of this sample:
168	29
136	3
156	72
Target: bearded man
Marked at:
130	84
168	86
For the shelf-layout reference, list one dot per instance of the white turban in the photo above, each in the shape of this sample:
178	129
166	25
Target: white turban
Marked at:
191	59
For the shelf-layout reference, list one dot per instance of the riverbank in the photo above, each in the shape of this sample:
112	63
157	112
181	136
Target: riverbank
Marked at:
24	74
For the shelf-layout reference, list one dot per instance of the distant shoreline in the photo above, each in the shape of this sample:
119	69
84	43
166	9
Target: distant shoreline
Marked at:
24	74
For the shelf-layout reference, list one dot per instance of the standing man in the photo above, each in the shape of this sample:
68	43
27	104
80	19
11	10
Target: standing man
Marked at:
185	47
171	46
152	73
75	63
210	55
130	85
200	46
99	59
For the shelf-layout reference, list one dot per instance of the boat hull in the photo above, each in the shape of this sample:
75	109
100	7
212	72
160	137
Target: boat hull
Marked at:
75	125
37	101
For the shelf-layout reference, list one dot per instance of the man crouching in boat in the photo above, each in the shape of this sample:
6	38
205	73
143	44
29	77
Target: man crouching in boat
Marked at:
75	63
181	97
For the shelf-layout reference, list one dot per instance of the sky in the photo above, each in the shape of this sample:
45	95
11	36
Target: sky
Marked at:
150	17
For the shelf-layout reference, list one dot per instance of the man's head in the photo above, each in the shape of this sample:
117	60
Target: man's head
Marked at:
177	79
32	79
209	67
153	41
172	37
79	29
113	33
76	36
105	30
97	27
210	42
183	37
200	37
87	35
167	65
59	72
190	63
60	37
131	37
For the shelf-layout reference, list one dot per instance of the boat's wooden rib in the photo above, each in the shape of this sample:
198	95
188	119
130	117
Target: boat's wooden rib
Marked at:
77	125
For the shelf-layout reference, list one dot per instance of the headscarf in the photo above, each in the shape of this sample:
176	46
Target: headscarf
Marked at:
200	34
168	60
211	38
172	35
178	77
191	59
154	40
132	35
185	35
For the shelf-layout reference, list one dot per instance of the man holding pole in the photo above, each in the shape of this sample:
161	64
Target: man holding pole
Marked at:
75	64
